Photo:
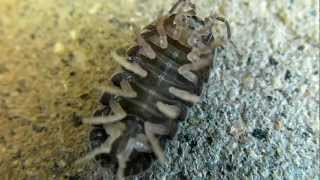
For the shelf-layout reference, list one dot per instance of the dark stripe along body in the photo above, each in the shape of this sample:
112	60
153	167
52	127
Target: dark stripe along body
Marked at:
163	76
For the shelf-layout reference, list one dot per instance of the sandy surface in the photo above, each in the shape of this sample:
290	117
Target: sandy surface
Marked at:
53	56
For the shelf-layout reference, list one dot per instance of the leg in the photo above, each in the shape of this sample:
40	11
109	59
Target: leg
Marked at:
118	114
176	8
151	130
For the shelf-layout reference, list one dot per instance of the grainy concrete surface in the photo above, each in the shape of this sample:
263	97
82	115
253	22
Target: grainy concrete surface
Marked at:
259	117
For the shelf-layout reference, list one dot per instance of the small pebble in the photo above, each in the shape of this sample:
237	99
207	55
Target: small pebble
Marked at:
248	81
73	34
260	134
38	129
94	9
278	124
273	61
58	48
62	163
303	88
288	75
276	82
237	129
28	162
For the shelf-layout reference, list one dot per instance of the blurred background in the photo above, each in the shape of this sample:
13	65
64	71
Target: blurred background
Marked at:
258	120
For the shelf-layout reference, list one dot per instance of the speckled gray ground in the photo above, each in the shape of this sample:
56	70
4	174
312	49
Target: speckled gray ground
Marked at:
259	118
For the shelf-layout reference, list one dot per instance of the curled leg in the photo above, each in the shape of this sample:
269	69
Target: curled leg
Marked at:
151	130
227	25
229	34
184	95
185	71
146	49
125	89
138	143
115	131
197	64
176	6
162	32
104	148
118	114
178	21
194	55
171	111
180	6
123	157
129	66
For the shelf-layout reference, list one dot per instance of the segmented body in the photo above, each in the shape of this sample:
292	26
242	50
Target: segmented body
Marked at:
163	76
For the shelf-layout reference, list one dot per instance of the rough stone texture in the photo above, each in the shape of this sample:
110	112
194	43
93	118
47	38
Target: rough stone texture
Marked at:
259	117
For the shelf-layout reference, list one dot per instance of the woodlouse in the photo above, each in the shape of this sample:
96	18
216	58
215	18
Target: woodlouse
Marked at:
163	75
